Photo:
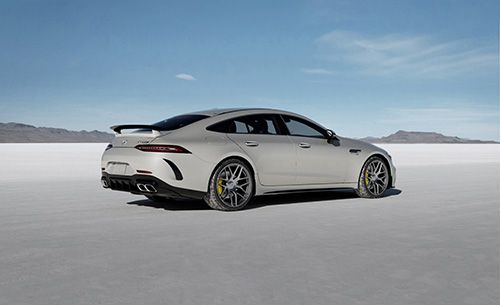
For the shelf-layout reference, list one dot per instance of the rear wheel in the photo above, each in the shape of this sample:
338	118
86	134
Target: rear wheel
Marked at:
373	179
231	187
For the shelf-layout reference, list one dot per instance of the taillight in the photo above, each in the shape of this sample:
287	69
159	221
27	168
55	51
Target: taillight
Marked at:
163	149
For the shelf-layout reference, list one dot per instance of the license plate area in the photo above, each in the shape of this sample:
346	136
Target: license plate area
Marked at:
117	168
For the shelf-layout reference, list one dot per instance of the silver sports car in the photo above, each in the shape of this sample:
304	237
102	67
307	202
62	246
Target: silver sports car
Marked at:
228	156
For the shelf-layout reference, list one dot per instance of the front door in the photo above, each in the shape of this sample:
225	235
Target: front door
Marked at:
318	162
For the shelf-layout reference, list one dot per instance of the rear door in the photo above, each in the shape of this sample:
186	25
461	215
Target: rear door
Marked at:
318	162
269	148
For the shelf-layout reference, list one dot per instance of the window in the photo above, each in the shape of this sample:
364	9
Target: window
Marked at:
219	127
179	121
239	127
303	128
251	124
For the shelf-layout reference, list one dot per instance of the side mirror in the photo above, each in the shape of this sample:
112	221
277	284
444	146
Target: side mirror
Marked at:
331	136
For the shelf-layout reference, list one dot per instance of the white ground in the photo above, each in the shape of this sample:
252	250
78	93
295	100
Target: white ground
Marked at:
64	240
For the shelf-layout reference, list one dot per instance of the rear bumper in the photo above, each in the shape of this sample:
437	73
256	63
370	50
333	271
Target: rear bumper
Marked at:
177	170
129	184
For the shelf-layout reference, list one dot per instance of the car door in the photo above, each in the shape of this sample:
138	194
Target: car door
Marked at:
318	161
271	150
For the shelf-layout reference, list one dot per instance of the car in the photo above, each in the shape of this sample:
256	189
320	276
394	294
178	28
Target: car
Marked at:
228	156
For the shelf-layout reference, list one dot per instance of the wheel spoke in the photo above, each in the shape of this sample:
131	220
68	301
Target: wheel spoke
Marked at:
238	194
235	199
240	186
233	172
241	182
234	202
240	168
224	193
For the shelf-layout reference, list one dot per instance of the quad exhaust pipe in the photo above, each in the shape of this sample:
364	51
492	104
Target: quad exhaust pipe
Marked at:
147	188
104	183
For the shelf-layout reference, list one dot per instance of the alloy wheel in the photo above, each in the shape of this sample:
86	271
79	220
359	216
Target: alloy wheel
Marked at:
233	185
376	177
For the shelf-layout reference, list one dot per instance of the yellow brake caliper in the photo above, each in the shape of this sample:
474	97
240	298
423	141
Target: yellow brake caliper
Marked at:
367	179
219	186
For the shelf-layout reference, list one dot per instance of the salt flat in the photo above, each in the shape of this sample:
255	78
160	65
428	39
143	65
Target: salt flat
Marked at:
435	240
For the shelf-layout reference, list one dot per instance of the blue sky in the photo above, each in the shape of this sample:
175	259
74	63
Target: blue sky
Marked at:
359	67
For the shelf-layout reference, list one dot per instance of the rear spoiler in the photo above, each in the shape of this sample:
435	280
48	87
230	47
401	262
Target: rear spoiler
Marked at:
118	128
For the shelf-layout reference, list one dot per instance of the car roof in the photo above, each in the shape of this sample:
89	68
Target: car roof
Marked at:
218	111
218	114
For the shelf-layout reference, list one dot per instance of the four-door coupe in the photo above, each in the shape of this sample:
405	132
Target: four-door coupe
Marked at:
228	156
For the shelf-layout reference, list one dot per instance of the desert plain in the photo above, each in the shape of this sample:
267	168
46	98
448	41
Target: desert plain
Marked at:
435	239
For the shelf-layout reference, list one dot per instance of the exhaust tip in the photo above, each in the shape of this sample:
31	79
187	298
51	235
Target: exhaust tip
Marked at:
146	188
150	188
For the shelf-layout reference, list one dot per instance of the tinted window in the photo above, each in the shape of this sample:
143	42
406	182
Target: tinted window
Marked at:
239	127
252	124
219	127
179	121
302	128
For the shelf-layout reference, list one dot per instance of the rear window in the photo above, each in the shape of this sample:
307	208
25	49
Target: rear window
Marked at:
179	121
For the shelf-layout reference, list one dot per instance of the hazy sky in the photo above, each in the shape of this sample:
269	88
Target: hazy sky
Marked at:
359	67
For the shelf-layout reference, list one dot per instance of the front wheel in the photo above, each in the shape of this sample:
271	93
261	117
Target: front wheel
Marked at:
373	179
231	186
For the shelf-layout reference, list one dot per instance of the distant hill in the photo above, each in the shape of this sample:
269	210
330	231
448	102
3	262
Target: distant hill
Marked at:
402	136
22	133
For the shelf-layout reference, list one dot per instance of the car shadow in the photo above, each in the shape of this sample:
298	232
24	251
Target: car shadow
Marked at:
260	201
310	196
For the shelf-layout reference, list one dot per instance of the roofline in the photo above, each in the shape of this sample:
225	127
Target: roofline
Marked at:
248	109
216	111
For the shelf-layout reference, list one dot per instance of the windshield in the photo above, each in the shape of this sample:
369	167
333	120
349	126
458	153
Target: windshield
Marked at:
179	121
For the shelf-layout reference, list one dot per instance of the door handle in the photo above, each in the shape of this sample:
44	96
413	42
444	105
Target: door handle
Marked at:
251	143
305	145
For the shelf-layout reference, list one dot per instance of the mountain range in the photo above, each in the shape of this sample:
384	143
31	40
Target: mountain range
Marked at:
414	137
23	133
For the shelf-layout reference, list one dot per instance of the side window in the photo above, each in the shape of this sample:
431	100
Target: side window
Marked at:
302	128
240	127
251	124
219	127
255	124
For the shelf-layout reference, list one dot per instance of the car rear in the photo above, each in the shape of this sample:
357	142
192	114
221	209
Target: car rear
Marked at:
154	161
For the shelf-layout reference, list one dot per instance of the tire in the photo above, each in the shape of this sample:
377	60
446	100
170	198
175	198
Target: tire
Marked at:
231	186
373	179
